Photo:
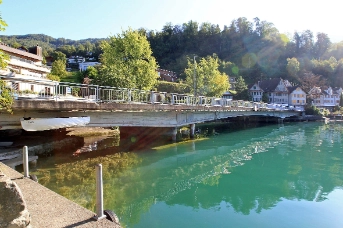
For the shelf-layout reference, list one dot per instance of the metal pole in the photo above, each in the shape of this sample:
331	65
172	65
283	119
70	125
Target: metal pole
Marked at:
194	78
99	192
26	161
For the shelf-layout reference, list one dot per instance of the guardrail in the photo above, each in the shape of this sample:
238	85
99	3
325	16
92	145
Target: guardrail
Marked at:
59	91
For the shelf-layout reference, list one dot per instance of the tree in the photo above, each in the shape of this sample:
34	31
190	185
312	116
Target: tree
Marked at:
58	68
6	98
241	89
208	79
309	80
293	67
127	62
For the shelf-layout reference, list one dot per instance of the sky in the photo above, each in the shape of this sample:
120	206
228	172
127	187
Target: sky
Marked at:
82	19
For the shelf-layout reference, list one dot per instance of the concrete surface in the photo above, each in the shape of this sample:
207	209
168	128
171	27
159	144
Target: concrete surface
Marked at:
49	209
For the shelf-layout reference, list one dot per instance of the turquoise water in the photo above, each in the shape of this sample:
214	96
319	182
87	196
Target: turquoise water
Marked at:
276	176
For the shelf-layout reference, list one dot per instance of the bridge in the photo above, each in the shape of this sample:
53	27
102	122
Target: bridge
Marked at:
111	106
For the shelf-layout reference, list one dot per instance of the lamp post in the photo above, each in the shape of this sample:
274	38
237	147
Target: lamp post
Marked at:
194	76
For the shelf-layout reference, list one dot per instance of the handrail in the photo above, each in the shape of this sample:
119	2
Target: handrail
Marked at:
59	91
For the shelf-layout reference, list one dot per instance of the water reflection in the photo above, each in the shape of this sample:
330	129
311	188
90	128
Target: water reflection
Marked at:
251	171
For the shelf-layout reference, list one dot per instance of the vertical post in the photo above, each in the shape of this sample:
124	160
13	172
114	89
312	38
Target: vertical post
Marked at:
26	161
56	95
99	192
194	76
152	97
192	131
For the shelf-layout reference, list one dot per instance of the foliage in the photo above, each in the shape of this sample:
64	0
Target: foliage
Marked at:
172	87
208	79
127	62
293	67
241	89
57	55
312	110
59	68
6	98
253	49
309	80
53	77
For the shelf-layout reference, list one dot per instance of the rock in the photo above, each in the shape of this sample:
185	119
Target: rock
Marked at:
13	211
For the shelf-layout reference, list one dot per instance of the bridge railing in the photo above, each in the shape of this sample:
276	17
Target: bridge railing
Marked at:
45	89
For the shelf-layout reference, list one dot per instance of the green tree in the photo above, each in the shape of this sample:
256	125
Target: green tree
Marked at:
241	89
127	61
58	69
6	98
265	97
293	67
57	55
208	79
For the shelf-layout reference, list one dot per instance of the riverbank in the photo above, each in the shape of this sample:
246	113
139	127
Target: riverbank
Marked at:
49	209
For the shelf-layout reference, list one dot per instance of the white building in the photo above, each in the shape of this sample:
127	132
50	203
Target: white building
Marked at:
84	65
297	96
278	91
26	71
325	97
75	59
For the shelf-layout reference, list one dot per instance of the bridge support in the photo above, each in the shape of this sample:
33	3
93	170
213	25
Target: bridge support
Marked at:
192	131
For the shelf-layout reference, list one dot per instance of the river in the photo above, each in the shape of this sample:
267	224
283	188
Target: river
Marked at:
287	175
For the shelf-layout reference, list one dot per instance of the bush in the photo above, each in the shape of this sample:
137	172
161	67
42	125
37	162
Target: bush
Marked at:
312	110
172	87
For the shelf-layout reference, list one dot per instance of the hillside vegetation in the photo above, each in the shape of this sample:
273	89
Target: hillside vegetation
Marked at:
254	50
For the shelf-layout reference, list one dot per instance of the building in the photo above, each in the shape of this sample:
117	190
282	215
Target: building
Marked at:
325	97
75	59
297	97
26	66
278	91
166	75
84	65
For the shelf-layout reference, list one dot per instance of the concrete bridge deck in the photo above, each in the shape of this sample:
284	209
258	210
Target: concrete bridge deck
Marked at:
132	114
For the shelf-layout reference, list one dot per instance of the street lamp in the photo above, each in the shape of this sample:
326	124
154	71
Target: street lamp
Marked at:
194	78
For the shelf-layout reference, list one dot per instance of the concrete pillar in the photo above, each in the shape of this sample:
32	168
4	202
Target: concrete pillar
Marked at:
192	130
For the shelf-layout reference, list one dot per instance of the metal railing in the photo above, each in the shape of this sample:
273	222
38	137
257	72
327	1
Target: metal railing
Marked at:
59	91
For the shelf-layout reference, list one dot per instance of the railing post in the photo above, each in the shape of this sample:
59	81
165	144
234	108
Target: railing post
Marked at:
97	98
26	161
129	95
56	95
99	193
152	97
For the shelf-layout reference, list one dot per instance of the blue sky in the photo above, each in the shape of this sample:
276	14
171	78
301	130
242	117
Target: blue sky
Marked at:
81	19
